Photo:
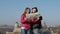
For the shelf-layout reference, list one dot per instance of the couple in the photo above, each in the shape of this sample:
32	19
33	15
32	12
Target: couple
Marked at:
32	26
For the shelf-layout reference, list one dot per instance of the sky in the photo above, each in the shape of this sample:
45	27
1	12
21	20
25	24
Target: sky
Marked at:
11	10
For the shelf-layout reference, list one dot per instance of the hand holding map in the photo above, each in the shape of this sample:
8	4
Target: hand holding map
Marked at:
32	16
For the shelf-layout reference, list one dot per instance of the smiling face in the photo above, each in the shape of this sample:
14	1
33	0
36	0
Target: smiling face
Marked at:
33	10
27	11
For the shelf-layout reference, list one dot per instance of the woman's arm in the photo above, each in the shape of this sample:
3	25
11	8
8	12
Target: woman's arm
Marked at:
40	18
24	20
34	20
37	19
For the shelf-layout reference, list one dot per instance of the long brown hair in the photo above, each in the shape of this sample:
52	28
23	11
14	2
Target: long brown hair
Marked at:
25	11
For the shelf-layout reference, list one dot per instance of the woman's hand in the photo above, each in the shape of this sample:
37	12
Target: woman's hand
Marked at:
38	16
25	18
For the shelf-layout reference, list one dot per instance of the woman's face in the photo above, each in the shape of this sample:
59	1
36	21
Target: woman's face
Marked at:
27	11
33	10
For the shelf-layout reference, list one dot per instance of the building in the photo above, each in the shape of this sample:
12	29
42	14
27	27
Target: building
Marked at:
4	28
55	29
16	29
45	29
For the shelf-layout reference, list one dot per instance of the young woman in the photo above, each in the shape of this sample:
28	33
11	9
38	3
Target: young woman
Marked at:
36	23
25	23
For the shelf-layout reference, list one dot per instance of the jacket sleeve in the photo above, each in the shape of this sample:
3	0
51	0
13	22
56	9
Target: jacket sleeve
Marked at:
40	18
23	20
34	20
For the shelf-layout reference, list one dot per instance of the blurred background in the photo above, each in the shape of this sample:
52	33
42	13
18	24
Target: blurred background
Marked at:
11	10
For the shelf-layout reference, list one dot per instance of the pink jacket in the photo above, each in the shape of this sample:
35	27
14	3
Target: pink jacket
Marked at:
25	23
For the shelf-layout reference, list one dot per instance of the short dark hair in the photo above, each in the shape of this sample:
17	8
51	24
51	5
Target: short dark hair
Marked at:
35	8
